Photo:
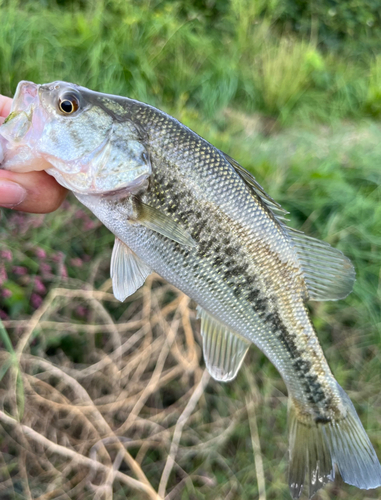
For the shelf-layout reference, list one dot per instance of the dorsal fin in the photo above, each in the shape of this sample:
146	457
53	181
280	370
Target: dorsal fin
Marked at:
224	351
257	189
328	273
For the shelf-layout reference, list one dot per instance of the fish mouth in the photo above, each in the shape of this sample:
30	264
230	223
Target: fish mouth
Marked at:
21	130
19	119
26	96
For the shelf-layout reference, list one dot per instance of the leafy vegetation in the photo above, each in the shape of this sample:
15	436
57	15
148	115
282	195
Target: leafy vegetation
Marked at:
174	54
296	105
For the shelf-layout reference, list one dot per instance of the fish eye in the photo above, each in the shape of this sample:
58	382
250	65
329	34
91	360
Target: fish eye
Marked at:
68	104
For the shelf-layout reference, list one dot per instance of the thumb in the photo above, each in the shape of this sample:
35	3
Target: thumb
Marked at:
35	192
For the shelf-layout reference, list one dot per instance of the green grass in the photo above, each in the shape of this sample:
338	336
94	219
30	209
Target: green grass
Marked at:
154	52
297	117
328	178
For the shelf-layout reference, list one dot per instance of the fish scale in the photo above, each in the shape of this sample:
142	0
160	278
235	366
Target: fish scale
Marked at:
239	313
179	206
202	157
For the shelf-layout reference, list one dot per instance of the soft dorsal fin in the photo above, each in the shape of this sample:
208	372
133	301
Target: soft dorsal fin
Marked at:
155	220
224	351
128	272
257	189
328	273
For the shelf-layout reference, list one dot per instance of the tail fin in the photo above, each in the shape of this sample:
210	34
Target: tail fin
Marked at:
315	449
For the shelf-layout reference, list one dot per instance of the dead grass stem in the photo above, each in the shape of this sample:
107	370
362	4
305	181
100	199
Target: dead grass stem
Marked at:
88	426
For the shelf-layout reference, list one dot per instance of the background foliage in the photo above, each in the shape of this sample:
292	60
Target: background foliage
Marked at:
290	89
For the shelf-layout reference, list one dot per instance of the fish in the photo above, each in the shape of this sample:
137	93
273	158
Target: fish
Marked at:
186	210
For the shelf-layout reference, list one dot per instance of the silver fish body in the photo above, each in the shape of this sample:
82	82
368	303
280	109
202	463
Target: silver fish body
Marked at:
189	212
243	270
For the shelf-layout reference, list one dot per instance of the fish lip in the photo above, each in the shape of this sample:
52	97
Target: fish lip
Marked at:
26	96
21	129
24	104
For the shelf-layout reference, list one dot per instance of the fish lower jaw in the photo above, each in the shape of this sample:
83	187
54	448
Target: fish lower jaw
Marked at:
83	184
20	158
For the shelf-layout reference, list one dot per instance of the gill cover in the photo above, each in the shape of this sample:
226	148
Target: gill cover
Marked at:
90	149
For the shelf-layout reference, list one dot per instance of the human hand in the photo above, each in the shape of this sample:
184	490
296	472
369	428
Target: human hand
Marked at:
36	192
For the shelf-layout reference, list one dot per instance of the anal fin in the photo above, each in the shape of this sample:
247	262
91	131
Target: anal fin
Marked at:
224	351
128	272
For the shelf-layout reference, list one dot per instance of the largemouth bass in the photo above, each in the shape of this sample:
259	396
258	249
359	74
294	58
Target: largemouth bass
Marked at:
180	207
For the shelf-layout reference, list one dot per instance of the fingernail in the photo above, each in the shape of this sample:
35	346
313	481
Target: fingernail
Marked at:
11	194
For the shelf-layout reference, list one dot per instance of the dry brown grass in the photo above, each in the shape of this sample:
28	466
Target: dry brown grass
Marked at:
88	430
128	410
124	422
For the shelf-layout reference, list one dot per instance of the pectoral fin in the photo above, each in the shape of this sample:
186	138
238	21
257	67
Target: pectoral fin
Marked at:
128	272
224	351
155	220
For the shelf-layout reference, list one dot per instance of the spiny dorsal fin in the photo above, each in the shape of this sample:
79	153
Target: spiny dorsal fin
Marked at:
328	273
224	351
155	220
250	181
128	272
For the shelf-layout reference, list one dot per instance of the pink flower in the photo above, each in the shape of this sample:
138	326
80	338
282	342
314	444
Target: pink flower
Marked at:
76	262
20	270
3	275
79	214
81	311
46	269
40	253
63	271
58	257
35	300
6	255
6	293
37	220
19	221
88	224
38	285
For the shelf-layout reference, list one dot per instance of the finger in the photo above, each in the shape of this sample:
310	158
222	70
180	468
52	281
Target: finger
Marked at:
35	192
5	107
